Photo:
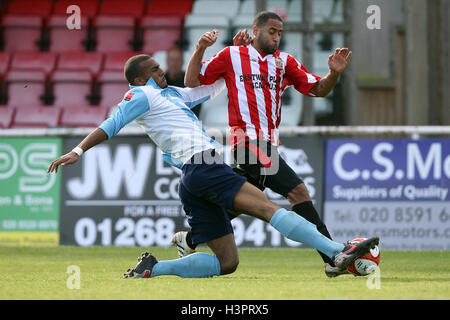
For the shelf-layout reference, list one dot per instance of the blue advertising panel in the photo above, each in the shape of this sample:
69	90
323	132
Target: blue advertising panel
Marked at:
397	189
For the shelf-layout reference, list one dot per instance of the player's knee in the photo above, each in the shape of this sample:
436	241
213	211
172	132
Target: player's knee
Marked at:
229	266
299	194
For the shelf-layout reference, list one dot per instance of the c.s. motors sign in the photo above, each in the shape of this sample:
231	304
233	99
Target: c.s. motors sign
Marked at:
397	189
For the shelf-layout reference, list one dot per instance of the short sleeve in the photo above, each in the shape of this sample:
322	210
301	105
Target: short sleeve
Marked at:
298	76
133	105
216	67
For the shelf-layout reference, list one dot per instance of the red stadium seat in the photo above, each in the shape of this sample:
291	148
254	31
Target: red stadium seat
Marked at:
133	8
6	117
160	33
112	93
21	33
114	33
45	61
167	8
5	59
88	8
25	88
83	116
36	117
71	87
62	39
112	76
113	87
155	22
39	8
116	60
80	61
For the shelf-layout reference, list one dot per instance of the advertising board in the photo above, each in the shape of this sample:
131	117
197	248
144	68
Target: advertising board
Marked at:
397	189
123	193
29	197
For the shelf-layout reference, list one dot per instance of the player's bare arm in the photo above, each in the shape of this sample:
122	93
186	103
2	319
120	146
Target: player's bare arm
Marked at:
191	78
95	137
337	62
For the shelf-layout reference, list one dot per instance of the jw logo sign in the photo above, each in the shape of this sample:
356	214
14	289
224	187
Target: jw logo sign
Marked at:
123	171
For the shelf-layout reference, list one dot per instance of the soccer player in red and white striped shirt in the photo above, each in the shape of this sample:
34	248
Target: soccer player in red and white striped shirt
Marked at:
256	75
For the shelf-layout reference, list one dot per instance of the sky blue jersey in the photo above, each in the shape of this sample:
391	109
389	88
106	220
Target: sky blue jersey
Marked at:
166	117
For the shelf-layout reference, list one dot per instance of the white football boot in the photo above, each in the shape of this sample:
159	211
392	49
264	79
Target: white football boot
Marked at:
179	239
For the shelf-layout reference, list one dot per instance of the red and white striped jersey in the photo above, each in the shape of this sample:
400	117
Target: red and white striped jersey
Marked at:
255	84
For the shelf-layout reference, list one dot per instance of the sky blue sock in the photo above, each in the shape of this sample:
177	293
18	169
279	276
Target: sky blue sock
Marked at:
196	265
296	228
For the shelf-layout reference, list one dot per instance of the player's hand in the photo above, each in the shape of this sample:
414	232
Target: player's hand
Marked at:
242	38
338	61
64	160
208	39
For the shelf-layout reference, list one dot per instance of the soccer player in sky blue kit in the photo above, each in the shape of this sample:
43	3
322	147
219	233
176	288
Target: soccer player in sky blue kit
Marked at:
208	187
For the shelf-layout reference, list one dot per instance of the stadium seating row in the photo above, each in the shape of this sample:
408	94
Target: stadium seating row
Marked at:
104	32
50	117
111	25
68	76
91	8
66	79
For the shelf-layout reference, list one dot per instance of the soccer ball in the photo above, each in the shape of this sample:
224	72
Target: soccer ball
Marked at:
367	263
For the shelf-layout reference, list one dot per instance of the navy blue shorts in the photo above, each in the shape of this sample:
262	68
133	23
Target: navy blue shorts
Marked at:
282	182
206	192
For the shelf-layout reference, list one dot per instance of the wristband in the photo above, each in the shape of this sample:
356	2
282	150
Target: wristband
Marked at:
78	151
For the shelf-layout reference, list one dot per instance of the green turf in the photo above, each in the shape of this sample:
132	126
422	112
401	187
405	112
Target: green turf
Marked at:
275	274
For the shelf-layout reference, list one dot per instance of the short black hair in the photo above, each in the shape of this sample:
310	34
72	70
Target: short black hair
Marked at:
132	69
262	17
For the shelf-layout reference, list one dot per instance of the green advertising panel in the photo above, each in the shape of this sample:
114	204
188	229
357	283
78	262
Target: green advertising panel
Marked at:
29	197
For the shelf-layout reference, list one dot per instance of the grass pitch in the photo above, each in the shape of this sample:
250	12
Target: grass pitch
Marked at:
266	274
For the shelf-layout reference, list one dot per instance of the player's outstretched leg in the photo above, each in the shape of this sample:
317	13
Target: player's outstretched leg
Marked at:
298	229
196	265
253	201
185	247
